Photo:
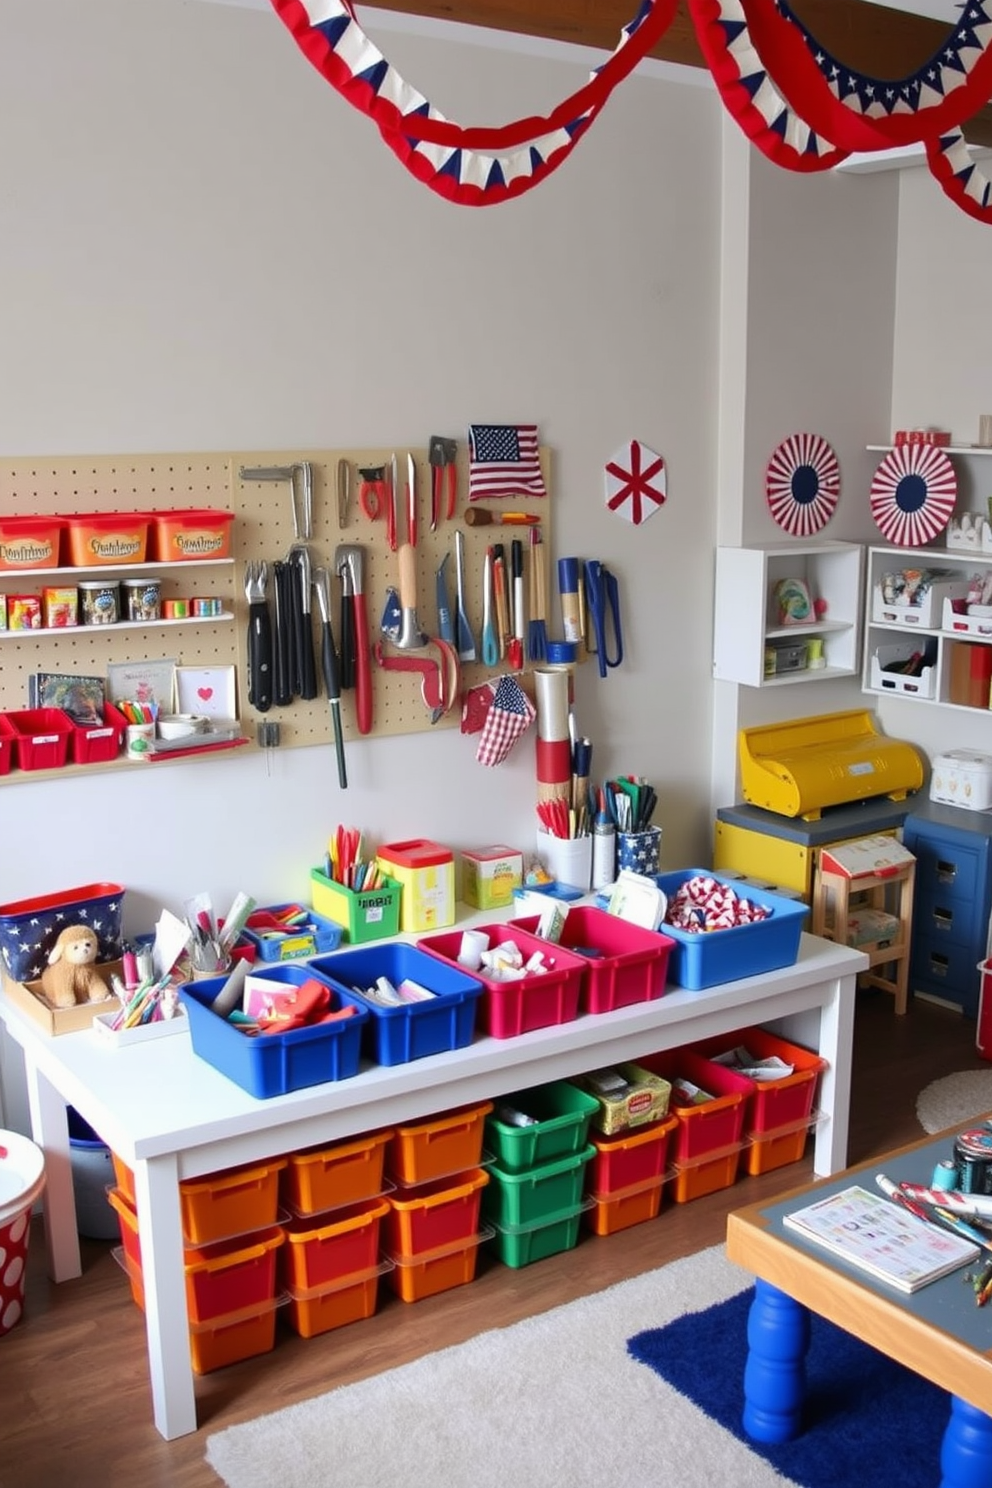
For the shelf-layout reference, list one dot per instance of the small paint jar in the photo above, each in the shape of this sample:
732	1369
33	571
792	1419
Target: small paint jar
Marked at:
99	601
142	598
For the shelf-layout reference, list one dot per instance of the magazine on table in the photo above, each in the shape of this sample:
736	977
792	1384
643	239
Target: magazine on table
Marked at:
877	1236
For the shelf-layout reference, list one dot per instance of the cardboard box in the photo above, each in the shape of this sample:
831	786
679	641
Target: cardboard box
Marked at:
628	1096
866	857
490	875
27	998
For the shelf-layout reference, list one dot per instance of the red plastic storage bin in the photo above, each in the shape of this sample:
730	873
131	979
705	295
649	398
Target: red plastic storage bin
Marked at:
632	963
226	1278
711	1125
316	1255
94	743
8	744
342	1173
434	1215
779	1112
42	737
629	1158
538	1000
30	542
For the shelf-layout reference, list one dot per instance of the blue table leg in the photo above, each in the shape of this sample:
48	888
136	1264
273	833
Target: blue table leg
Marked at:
775	1374
966	1452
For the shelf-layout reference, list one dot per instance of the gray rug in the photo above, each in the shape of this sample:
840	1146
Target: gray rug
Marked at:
554	1401
956	1100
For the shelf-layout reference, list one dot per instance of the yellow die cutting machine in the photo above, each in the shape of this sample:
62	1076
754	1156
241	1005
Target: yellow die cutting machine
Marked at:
802	766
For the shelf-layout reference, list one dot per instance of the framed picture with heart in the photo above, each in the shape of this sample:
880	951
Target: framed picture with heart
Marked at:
207	691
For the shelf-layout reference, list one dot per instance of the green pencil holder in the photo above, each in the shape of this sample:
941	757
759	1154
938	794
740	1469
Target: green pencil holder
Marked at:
370	914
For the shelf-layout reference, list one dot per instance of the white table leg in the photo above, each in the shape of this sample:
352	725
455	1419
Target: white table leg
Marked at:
156	1184
50	1129
836	1045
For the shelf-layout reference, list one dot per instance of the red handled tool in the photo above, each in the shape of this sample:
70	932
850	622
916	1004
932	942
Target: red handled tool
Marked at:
349	560
372	493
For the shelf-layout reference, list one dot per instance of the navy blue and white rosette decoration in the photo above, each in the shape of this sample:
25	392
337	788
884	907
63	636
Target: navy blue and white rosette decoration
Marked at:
802	484
913	494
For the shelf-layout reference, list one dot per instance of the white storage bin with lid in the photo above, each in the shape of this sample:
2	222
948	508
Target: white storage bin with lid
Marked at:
962	777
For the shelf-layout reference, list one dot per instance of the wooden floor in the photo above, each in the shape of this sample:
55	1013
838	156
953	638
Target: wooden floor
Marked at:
74	1397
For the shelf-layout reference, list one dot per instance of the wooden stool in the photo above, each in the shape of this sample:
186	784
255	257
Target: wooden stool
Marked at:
838	896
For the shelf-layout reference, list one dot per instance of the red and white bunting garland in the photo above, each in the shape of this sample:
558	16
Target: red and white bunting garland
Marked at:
474	166
958	175
636	483
913	494
802	484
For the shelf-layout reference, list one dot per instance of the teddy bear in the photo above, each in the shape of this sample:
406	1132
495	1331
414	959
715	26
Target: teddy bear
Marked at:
71	975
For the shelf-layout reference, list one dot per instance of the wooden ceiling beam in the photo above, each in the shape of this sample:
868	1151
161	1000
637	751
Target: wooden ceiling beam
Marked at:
873	38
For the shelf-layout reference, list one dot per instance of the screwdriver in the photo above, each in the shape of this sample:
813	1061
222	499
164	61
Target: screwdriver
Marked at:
329	666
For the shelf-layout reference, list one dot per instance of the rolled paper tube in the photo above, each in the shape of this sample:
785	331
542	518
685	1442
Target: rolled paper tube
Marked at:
551	693
554	761
554	790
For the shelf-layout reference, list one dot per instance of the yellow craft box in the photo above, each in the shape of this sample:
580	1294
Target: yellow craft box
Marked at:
490	875
426	872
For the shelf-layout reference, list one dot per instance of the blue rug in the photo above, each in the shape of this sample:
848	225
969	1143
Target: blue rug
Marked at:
861	1408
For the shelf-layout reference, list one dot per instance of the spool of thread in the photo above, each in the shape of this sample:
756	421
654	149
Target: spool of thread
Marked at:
945	1175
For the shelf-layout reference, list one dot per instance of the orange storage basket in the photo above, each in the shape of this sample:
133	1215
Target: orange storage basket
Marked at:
235	1336
329	1177
435	1149
629	1206
415	1277
349	1300
30	542
234	1202
193	534
100	538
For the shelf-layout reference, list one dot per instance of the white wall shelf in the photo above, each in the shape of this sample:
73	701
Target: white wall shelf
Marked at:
746	618
956	647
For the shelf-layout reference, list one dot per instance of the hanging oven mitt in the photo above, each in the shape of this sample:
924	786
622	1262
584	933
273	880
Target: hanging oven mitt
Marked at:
510	714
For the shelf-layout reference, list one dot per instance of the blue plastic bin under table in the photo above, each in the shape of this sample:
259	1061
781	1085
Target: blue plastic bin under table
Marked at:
709	957
268	1064
394	1035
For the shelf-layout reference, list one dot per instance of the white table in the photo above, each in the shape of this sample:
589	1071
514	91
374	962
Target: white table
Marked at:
171	1116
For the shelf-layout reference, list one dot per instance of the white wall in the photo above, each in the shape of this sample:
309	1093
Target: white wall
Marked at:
203	247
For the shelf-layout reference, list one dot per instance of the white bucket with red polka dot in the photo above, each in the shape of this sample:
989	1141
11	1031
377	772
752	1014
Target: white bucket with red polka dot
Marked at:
22	1178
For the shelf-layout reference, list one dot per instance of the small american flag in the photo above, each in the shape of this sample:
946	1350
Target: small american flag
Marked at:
510	714
503	461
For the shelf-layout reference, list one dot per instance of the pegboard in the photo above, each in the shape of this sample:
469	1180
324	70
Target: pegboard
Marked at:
263	529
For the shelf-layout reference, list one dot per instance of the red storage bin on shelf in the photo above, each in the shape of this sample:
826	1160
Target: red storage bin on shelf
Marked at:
632	963
42	737
317	1255
779	1112
230	1277
323	1178
538	1000
434	1215
8	744
630	1158
709	1136
94	743
449	1144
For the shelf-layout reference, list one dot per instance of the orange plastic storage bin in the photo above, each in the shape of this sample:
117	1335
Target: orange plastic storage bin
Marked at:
235	1336
224	1278
130	1242
630	1158
317	1255
451	1143
436	1214
189	535
349	1300
225	1205
30	542
100	538
696	1180
125	1178
415	1277
330	1177
628	1206
711	1125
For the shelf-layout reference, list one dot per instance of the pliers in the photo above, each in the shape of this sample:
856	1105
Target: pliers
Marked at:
444	473
603	608
373	491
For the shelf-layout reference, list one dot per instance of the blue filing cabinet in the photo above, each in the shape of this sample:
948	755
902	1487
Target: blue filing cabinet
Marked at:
953	851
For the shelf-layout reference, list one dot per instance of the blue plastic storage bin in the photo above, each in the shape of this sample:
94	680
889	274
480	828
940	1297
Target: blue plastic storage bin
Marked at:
270	1064
394	1035
714	956
313	937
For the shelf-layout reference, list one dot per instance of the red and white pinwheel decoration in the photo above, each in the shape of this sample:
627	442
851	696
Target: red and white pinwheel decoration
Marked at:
636	483
913	494
802	484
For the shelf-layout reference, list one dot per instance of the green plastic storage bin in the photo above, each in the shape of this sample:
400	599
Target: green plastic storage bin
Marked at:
515	1200
522	1244
562	1113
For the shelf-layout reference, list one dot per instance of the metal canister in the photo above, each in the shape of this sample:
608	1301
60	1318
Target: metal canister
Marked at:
100	601
945	1175
973	1156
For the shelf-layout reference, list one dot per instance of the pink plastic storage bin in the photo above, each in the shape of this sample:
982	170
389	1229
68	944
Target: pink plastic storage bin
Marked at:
509	1008
633	963
713	1125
